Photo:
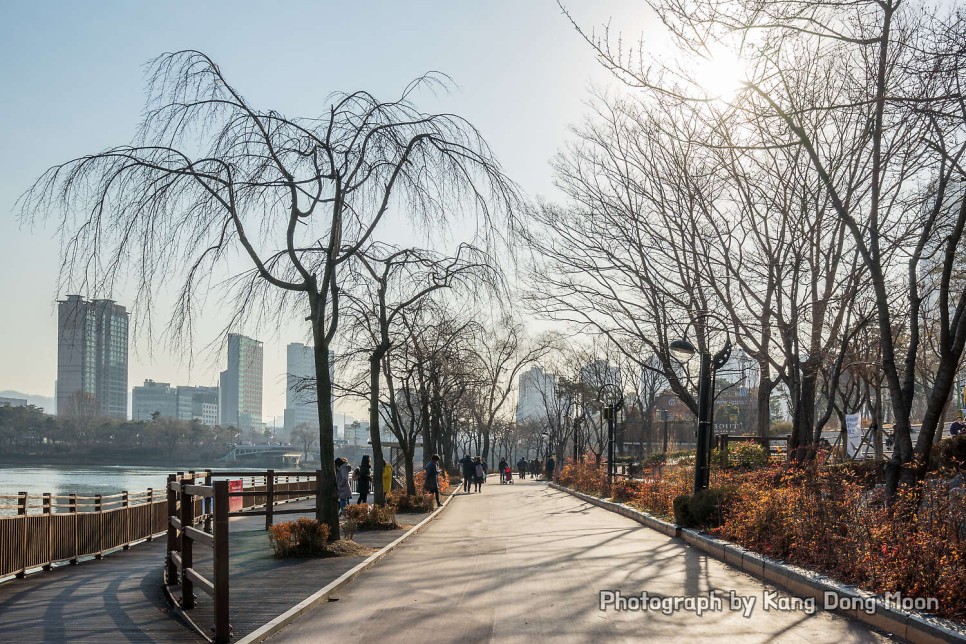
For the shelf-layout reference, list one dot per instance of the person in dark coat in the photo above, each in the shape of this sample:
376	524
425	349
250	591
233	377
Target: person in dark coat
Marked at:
364	481
550	467
479	473
469	472
522	467
432	478
502	470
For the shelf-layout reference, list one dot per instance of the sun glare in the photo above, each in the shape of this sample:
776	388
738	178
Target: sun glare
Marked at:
720	75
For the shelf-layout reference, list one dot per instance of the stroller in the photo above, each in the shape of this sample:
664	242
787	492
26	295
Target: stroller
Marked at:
508	475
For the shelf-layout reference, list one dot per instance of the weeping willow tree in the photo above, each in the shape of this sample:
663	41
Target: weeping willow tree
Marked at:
210	177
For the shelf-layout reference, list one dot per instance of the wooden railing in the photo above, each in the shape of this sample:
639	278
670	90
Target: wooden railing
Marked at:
196	498
182	535
50	529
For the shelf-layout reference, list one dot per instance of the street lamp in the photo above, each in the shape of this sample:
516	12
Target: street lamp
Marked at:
664	413
684	350
613	399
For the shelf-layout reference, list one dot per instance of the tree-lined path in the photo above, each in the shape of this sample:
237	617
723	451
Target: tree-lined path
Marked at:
525	563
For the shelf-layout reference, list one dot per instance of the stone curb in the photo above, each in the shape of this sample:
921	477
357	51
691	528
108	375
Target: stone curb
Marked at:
322	595
911	627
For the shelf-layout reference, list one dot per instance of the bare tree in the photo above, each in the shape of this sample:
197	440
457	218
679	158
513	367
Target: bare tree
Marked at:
391	281
211	175
501	353
884	81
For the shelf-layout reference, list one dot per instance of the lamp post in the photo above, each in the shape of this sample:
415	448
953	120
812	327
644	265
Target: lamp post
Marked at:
613	399
664	418
709	364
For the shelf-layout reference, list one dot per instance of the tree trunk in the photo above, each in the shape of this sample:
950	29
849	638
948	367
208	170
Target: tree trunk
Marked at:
378	461
329	502
410	455
763	418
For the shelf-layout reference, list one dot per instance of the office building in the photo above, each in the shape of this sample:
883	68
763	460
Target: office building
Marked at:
154	400
240	391
91	358
300	386
198	403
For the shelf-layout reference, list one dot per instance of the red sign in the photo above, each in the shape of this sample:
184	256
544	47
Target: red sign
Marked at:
235	503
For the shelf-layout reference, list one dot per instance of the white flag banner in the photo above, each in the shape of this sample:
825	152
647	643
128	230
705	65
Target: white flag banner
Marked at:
853	430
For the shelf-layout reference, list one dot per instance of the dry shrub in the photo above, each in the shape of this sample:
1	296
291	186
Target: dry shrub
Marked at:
420	479
831	520
416	503
585	477
301	538
660	486
372	517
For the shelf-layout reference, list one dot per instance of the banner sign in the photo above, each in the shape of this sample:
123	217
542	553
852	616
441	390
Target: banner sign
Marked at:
853	430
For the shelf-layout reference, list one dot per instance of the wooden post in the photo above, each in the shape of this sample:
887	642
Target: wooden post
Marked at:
126	505
99	508
207	503
170	570
72	508
150	503
47	510
221	601
269	499
187	516
22	512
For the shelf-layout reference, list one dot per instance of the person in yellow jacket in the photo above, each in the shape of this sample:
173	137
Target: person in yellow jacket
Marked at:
386	478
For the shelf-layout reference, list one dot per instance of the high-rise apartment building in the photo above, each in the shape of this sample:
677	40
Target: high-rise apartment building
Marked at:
91	358
240	392
536	391
301	392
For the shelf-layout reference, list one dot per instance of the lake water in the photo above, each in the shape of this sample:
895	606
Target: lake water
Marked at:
82	480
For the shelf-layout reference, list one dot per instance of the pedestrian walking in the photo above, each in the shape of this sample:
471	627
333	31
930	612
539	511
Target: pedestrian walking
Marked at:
342	483
432	478
469	472
364	479
386	478
533	468
550	466
479	473
503	470
522	467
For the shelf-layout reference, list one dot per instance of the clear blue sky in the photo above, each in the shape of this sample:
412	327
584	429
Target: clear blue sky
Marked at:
72	79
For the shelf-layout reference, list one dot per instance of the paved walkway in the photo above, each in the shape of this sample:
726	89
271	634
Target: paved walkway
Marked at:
525	563
120	598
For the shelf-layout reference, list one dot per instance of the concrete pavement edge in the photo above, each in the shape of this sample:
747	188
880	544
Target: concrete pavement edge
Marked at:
277	624
911	627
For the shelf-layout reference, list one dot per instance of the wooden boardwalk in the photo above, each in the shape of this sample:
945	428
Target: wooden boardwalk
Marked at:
120	598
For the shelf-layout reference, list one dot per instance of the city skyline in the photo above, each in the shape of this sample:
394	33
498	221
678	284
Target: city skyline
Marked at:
531	50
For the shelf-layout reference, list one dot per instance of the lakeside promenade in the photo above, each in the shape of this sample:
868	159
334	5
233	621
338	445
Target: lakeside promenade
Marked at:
120	598
516	563
525	563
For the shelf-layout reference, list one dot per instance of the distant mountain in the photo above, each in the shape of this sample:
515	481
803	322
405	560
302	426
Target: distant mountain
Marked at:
46	402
